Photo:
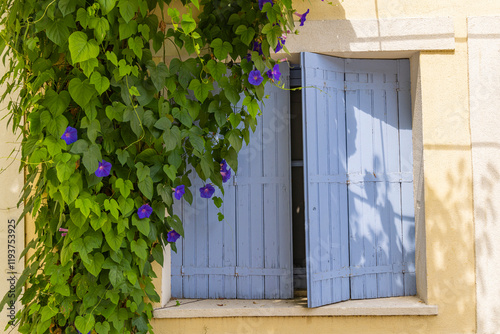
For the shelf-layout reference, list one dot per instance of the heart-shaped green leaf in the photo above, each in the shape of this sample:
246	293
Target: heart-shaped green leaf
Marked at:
58	32
100	83
81	91
102	328
139	248
141	224
221	49
106	5
128	8
95	264
201	89
81	48
85	324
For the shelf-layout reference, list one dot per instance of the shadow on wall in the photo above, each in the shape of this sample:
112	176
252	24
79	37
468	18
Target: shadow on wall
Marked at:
449	256
485	193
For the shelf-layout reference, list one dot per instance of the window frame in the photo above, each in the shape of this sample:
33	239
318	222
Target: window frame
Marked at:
418	186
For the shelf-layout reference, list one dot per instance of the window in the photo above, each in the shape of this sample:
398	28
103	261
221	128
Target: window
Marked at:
358	192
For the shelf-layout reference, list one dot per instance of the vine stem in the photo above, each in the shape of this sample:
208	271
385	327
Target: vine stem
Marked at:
136	113
45	12
176	48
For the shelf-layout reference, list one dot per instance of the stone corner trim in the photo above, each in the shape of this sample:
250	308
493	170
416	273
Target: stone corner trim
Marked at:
484	26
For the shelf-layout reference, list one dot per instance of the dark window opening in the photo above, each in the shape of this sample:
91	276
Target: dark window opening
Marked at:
298	231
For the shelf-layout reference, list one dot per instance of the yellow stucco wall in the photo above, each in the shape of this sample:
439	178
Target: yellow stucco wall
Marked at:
447	169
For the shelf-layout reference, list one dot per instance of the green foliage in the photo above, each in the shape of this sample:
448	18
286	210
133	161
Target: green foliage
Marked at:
90	66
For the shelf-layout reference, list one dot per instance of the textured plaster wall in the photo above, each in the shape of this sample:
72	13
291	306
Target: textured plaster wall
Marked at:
11	183
484	82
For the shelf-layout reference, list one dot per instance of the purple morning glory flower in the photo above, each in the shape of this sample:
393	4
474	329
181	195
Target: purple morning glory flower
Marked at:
302	17
226	175
145	211
224	171
81	332
70	135
281	43
257	47
262	2
104	169
275	73
255	78
179	191
223	164
207	191
172	236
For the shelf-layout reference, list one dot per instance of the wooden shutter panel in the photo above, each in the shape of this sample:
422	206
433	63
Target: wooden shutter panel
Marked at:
249	254
360	229
325	182
381	179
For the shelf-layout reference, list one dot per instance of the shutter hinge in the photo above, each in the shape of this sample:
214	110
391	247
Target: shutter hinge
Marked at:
397	86
348	182
345	85
235	182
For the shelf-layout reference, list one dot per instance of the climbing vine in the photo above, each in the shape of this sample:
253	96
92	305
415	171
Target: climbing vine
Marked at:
110	128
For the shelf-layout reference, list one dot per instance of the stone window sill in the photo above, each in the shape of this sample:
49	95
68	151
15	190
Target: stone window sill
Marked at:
220	308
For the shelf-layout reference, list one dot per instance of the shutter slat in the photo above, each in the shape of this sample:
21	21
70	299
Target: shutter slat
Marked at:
215	250
270	197
281	108
243	236
189	215
386	156
324	207
243	220
176	258
201	235
361	195
229	238
256	230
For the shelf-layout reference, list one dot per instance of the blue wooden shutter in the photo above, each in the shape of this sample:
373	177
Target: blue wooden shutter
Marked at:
358	179
325	179
380	172
249	254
